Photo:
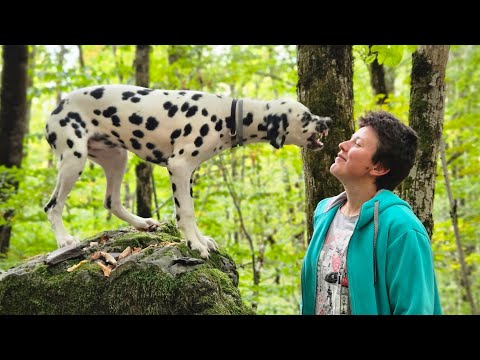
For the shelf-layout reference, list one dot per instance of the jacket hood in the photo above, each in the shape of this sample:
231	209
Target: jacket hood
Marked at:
385	199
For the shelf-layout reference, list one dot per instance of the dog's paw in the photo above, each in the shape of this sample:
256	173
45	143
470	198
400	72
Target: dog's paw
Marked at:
202	249
147	224
67	240
212	245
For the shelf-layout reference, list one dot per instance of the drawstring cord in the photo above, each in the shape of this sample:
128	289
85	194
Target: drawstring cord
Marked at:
375	232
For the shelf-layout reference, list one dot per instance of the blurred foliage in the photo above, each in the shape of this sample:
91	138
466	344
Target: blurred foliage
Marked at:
268	183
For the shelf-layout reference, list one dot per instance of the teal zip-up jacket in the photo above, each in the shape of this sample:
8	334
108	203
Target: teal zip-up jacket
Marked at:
389	259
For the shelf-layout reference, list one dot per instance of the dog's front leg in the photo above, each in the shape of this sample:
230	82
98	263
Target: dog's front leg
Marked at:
181	179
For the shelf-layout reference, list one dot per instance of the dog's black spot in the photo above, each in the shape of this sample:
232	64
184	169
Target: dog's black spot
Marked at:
170	172
152	123
198	141
52	137
59	108
304	131
267	106
114	133
135	119
70	143
50	204
248	119
191	192
172	156
90	155
63	122
195	153
127	95
95	122
174	187
97	112
181	151
80	173
138	133
150	146
135	99
109	111
176	202
135	144
229	123
109	202
74	125
283	102
221	135
178	219
144	92
221	147
158	154
253	136
182	93
220	96
185	107
290	111
204	112
187	130
173	110
204	130
166	93
262	127
77	154
115	121
175	134
213	118
97	93
196	97
167	105
192	111
219	125
78	133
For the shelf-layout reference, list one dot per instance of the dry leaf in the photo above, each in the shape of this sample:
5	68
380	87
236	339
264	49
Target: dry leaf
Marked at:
76	266
96	255
104	239
135	250
125	253
109	258
106	269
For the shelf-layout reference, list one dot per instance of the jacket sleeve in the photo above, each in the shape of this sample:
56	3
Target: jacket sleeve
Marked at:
410	274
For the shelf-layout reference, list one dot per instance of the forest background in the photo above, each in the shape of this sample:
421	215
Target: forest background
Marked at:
263	186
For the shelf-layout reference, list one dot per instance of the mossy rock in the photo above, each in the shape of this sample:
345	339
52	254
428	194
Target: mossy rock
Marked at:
162	277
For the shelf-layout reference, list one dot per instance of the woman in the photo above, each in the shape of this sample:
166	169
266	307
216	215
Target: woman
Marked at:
369	253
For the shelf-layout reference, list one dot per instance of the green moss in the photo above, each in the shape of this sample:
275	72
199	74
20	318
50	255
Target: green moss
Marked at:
150	292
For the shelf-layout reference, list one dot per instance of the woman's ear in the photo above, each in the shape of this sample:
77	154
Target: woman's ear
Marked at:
379	170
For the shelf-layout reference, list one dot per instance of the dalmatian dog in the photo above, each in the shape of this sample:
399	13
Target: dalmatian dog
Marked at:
176	129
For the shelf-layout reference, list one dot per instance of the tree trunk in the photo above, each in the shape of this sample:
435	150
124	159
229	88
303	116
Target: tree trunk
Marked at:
325	86
454	217
427	97
378	81
143	170
13	107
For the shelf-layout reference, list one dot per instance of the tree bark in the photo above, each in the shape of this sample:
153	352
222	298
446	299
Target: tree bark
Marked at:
325	86
143	170
427	100
13	107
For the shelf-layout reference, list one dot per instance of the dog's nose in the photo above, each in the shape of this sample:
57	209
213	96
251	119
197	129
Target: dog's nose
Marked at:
322	124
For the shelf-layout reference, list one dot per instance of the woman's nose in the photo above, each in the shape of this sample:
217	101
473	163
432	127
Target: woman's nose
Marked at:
343	145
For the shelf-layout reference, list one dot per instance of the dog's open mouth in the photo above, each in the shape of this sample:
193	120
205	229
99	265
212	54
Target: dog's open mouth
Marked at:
314	141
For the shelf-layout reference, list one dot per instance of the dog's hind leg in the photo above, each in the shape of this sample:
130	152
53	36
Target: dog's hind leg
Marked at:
181	178
70	167
113	161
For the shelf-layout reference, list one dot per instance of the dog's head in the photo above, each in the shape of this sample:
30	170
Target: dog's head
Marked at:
290	122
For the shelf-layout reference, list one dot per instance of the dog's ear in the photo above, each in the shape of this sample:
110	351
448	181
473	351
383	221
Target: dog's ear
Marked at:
276	129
